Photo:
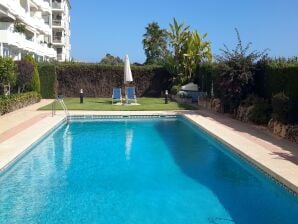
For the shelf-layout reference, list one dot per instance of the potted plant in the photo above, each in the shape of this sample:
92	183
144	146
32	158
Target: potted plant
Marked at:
19	27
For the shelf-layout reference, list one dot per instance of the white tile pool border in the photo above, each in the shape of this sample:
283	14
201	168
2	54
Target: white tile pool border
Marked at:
283	171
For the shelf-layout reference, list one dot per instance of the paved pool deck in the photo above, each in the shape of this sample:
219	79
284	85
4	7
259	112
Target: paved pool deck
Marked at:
277	157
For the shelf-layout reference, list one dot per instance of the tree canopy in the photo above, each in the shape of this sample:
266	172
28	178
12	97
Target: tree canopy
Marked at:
111	60
154	43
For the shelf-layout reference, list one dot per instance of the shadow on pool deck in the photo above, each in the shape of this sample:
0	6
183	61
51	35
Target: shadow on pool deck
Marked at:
282	148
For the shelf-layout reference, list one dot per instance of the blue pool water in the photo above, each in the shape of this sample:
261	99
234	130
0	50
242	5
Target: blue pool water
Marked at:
138	171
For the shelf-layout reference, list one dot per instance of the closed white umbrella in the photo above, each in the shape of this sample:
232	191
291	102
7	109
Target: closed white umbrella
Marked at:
127	71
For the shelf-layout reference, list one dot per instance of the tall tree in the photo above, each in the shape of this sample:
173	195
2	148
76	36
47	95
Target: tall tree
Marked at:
178	36
154	43
111	60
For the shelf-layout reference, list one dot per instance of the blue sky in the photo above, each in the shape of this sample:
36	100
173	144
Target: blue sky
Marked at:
116	27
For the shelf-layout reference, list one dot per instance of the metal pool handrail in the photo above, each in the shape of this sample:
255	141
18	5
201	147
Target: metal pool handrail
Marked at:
61	101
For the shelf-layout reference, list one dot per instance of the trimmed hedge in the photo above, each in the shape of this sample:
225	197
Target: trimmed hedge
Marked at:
279	77
48	80
17	101
280	105
98	80
272	78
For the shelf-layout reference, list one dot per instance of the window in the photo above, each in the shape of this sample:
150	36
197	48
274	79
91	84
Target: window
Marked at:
6	52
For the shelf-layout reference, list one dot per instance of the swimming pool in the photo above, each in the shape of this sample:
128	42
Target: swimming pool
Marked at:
154	170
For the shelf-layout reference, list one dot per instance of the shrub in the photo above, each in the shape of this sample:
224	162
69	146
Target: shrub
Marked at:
280	106
25	74
250	100
260	113
236	74
19	27
17	101
48	81
175	89
7	71
35	84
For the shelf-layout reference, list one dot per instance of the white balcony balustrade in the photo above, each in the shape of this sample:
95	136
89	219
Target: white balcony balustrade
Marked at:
58	39
19	40
57	22
57	5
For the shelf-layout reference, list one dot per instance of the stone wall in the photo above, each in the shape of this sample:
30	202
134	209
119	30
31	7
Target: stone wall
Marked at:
210	104
243	113
286	131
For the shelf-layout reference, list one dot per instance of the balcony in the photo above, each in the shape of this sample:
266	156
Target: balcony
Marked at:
19	40
46	20
12	6
46	7
42	4
57	22
58	40
57	5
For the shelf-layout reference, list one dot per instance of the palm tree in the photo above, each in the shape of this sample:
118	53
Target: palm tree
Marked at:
198	51
178	34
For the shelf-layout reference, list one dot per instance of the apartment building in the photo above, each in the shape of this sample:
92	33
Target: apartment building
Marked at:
61	29
26	27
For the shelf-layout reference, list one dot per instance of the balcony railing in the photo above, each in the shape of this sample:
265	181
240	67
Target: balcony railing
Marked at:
20	41
57	39
56	5
57	22
59	57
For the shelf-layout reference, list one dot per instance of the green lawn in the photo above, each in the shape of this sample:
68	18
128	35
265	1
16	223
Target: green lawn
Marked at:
105	104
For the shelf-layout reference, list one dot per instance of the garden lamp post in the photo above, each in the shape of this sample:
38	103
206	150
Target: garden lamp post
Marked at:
166	97
81	96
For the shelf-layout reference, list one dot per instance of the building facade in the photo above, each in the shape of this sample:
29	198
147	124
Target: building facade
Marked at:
61	29
34	27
